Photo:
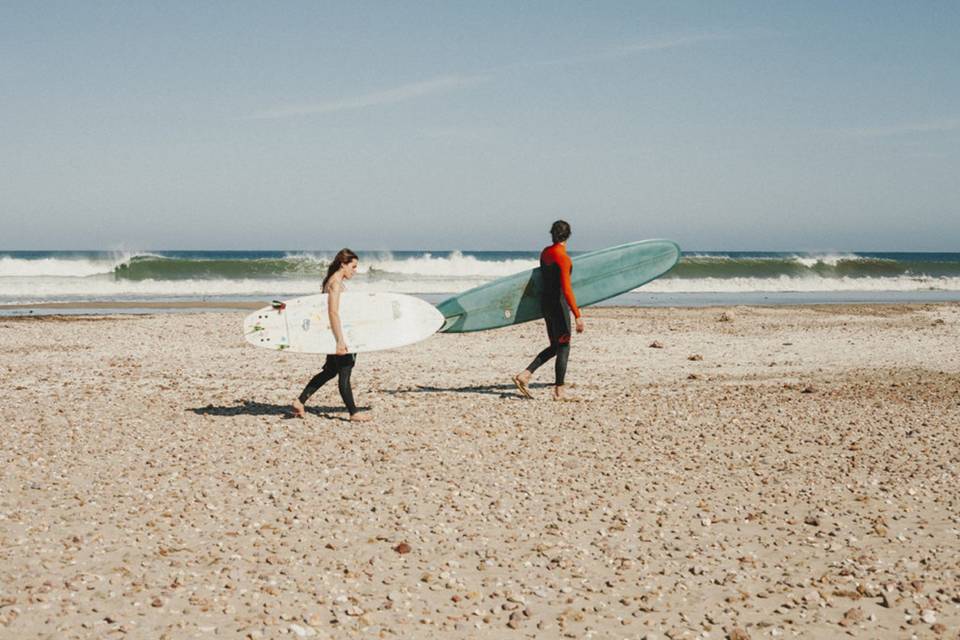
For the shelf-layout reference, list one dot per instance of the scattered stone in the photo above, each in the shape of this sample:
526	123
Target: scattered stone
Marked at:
695	357
515	619
403	548
852	616
656	344
929	616
737	633
880	527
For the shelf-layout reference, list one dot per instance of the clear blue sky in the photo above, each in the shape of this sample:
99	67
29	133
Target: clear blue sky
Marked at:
722	125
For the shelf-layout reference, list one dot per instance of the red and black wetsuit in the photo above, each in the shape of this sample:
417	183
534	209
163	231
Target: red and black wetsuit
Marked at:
556	302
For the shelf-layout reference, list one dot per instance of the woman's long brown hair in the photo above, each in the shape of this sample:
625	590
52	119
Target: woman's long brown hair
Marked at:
344	256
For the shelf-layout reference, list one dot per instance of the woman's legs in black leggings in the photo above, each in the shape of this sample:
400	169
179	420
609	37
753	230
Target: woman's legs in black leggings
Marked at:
327	373
346	368
332	367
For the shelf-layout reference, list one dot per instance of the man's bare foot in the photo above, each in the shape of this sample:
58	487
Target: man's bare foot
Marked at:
361	417
521	380
299	411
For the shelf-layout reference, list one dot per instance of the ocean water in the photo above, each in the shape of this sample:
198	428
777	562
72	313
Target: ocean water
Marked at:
701	278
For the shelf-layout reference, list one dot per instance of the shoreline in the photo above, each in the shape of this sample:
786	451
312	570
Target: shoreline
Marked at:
175	304
200	306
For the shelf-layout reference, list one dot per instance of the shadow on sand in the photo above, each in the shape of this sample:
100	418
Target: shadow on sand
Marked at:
251	408
502	390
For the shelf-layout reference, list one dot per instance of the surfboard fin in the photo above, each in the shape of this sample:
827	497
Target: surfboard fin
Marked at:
255	329
449	322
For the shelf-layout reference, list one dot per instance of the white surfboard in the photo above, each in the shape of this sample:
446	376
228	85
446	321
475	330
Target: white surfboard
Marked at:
370	322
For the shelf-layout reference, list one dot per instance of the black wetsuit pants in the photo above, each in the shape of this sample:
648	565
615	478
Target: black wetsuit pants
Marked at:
558	330
334	366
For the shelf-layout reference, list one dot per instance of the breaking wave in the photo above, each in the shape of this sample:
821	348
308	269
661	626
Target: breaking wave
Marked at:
30	277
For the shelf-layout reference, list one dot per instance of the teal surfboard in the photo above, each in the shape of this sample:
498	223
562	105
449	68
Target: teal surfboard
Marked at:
597	276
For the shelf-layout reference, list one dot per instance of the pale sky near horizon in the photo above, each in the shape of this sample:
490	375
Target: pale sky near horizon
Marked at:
443	125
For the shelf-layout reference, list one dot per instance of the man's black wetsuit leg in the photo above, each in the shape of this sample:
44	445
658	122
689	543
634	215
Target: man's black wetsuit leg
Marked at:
557	320
563	353
541	358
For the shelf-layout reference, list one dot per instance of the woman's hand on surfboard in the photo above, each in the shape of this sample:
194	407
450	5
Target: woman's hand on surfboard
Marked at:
580	325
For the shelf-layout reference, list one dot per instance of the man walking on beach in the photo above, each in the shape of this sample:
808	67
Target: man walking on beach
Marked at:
556	301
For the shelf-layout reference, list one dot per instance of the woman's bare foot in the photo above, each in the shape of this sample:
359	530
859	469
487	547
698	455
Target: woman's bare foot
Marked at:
363	416
560	394
521	380
299	411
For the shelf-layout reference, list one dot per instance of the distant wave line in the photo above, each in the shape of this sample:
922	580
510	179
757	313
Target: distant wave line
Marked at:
96	289
451	266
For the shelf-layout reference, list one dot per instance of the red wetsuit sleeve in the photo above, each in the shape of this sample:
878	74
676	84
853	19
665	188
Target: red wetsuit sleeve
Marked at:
566	267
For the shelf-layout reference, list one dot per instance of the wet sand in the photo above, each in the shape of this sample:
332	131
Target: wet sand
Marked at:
761	472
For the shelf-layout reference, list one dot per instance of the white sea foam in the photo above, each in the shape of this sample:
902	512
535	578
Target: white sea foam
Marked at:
454	265
830	260
784	284
80	267
428	265
35	290
50	289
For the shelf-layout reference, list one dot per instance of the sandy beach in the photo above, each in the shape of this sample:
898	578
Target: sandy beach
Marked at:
738	472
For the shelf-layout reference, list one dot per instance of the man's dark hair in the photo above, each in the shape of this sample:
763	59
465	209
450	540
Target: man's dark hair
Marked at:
560	231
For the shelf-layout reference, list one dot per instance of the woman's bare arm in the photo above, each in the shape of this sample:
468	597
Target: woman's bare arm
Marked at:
333	311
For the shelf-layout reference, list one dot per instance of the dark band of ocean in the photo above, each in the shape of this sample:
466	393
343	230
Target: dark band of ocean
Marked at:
74	281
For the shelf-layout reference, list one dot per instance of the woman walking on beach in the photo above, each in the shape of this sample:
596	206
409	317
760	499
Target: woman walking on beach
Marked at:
556	302
343	266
